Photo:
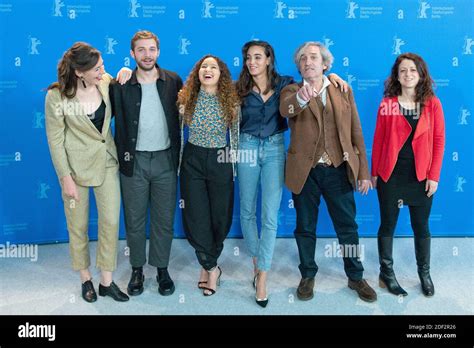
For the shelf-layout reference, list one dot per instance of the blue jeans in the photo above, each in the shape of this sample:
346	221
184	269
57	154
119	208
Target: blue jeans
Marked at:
261	161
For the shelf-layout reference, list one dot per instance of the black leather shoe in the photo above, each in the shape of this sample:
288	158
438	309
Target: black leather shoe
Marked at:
165	283
305	289
88	292
135	285
113	291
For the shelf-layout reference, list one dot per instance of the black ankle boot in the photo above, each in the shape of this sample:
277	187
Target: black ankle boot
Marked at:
165	283
423	253
387	276
135	285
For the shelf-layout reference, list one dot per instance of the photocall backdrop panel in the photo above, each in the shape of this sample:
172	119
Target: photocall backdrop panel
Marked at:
365	36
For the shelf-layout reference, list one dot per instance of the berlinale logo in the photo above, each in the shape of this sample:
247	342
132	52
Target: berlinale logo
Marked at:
109	45
183	45
279	7
33	44
134	6
463	114
58	4
351	7
460	181
206	9
42	188
424	6
397	44
38	120
467	47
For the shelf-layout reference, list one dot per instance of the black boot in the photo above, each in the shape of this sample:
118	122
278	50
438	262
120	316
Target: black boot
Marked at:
135	285
165	283
423	252
387	276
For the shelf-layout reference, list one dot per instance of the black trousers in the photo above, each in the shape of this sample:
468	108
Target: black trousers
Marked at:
207	188
333	184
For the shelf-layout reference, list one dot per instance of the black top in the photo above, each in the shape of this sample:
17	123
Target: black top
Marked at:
126	100
412	116
263	119
98	116
403	186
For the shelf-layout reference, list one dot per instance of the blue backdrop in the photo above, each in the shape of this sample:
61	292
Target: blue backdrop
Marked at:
364	35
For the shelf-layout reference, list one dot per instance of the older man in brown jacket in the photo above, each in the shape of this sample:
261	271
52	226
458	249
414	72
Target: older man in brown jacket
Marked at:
326	157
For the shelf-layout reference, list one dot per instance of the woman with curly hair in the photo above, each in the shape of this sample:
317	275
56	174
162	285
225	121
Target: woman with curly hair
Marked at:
407	154
208	105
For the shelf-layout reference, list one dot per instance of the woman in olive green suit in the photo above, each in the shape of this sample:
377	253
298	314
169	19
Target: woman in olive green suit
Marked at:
78	114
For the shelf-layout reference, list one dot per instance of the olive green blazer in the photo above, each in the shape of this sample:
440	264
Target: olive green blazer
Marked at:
76	146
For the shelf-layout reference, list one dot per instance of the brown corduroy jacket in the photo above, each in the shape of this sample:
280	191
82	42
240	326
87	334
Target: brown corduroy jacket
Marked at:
306	123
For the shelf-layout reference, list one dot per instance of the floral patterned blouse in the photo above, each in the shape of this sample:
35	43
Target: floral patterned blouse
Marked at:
208	128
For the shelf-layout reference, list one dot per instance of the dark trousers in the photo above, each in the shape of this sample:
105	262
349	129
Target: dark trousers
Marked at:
389	211
333	184
153	186
207	188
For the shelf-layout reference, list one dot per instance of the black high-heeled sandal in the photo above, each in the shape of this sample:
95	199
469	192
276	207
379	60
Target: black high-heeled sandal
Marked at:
218	283
200	282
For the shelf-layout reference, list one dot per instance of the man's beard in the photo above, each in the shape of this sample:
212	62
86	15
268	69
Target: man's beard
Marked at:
146	68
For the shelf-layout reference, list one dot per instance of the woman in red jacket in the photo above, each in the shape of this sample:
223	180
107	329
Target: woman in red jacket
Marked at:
407	154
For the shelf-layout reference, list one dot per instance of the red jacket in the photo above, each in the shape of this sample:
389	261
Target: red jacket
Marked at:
392	130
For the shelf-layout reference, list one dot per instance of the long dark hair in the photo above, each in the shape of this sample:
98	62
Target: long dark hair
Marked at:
245	82
424	88
226	93
82	57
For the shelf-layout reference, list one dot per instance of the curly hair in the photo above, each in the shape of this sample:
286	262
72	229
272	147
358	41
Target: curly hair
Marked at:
226	93
245	83
424	88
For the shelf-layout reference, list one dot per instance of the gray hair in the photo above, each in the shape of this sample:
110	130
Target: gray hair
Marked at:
325	54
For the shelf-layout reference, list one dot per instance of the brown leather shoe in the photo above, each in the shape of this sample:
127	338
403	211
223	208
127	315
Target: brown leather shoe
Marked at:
365	292
305	289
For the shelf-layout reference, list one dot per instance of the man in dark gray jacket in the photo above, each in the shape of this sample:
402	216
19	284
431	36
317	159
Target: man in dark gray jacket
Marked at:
147	137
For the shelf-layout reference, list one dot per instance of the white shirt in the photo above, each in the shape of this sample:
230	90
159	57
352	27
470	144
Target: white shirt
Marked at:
323	92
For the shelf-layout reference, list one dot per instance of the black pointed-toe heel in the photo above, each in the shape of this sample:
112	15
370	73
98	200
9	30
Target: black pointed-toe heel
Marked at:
261	302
